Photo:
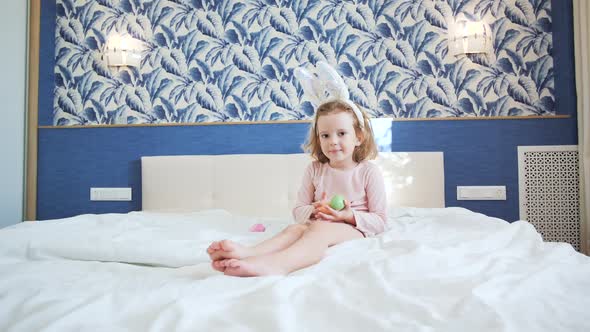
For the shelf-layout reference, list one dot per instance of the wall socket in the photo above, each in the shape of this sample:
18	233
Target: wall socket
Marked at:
481	193
110	194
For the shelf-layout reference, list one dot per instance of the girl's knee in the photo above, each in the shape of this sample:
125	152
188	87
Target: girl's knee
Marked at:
333	231
296	228
318	226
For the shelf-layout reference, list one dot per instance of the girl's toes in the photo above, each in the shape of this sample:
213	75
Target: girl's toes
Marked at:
233	263
215	265
226	245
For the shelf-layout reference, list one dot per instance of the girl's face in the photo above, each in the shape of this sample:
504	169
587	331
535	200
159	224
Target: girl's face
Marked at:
338	138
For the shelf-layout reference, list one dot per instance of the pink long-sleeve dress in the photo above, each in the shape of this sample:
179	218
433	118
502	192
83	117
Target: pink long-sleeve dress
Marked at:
362	186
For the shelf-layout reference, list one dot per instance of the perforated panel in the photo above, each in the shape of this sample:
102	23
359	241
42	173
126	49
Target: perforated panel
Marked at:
549	191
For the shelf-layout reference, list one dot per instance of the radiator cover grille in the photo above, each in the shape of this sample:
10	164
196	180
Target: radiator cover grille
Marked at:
549	193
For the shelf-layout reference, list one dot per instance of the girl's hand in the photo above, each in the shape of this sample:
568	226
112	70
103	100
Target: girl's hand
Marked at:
320	206
345	215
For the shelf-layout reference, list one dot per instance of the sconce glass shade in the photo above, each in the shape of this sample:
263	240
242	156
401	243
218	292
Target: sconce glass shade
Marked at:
470	37
122	51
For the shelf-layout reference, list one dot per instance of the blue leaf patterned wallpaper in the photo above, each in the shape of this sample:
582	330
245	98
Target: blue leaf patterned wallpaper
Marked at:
228	60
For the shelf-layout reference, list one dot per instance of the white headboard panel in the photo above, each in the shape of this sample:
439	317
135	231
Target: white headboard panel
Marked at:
265	185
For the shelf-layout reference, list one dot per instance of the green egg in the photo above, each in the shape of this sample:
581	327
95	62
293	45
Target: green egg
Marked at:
337	202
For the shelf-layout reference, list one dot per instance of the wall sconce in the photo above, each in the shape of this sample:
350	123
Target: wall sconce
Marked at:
470	37
122	51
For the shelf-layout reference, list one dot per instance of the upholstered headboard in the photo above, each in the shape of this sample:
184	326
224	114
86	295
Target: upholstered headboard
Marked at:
265	185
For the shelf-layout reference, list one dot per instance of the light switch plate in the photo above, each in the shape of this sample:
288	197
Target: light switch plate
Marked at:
110	194
481	193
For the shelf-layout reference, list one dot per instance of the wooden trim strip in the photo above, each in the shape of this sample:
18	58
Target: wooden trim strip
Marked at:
300	121
33	109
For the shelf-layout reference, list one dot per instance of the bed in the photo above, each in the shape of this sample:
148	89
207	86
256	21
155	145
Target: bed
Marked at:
437	268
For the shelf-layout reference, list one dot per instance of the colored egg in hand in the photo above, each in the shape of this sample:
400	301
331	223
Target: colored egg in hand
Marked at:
337	202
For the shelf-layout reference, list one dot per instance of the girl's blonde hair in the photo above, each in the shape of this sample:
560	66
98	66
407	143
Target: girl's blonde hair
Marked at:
365	151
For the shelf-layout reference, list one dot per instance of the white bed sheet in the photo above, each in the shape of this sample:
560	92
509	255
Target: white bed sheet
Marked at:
435	270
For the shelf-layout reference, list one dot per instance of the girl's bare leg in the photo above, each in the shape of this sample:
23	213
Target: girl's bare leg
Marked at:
220	250
307	250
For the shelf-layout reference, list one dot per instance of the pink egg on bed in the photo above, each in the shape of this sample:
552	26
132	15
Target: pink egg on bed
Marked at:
257	228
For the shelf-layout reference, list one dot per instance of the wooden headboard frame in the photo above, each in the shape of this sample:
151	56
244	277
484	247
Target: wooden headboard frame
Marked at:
265	185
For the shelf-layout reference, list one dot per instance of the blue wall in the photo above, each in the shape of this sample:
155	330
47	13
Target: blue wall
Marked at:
476	152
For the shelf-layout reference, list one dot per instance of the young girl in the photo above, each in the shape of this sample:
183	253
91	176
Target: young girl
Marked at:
341	140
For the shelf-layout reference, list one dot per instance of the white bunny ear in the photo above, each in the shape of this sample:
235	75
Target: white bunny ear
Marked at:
312	87
328	80
335	85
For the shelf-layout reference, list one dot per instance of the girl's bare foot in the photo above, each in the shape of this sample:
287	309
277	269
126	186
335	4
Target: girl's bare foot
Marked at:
218	265
227	249
250	267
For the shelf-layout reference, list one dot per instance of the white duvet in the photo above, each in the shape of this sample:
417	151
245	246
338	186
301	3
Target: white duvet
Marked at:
434	270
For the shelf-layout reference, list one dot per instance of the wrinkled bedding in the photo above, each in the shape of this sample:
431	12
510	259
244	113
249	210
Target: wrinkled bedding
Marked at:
434	270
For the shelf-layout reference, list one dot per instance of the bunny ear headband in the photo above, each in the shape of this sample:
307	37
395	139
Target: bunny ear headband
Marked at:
327	86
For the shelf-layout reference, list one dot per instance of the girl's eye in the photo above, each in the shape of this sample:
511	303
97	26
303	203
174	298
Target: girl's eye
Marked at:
342	133
324	135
